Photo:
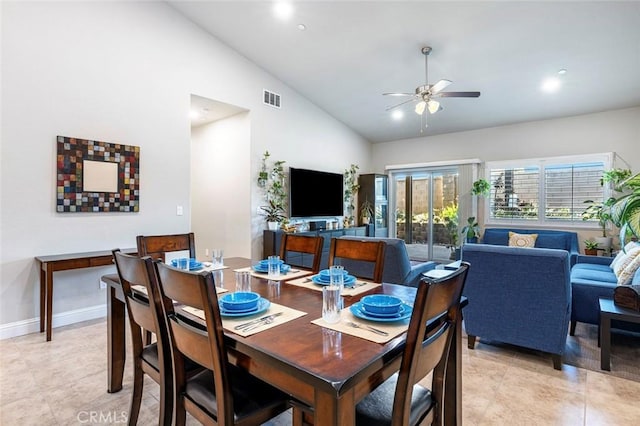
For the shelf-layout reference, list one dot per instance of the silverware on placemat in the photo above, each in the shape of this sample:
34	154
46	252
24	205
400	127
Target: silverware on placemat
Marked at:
367	327
257	321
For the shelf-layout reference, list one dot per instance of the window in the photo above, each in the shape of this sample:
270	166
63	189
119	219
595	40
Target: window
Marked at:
545	190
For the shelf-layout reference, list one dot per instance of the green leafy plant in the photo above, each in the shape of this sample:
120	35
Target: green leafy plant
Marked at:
603	211
590	245
351	187
366	211
450	216
272	181
471	230
481	187
273	212
625	210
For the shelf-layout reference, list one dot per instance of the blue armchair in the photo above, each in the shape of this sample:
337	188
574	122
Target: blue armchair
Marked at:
398	269
520	296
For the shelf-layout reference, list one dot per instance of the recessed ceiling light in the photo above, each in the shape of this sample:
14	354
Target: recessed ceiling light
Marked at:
302	27
397	115
550	85
283	9
562	71
194	115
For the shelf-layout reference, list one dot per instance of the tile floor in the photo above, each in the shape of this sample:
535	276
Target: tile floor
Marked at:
63	382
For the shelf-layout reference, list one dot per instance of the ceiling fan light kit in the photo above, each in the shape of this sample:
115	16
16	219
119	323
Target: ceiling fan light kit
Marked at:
424	93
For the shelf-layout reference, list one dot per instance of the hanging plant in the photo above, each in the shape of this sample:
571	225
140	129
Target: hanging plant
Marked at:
263	175
481	187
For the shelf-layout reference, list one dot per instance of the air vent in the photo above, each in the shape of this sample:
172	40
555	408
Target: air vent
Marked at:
271	98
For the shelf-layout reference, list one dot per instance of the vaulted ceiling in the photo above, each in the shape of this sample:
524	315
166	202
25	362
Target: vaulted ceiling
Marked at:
350	52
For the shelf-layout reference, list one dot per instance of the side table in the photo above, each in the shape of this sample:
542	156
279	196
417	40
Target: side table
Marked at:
610	311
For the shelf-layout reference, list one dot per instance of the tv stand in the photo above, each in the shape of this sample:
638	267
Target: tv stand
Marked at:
271	243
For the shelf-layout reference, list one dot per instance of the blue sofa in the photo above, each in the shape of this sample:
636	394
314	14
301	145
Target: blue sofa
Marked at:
398	269
561	240
591	279
520	296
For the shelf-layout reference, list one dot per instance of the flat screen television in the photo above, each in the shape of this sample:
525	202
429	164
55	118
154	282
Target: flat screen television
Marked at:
314	193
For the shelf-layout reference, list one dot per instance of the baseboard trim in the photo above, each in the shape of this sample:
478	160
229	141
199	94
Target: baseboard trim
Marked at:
20	328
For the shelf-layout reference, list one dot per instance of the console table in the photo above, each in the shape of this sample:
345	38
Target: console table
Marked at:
65	262
271	243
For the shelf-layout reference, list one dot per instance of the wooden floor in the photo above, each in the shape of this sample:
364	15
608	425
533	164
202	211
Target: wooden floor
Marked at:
500	386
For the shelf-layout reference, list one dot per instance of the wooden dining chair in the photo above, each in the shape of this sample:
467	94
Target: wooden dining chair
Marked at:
400	400
345	251
223	394
153	359
294	247
157	245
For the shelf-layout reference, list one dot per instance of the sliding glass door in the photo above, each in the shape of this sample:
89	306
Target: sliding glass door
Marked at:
426	212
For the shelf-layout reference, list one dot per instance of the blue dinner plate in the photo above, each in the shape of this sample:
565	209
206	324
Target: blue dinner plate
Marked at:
348	280
263	305
284	268
399	312
404	313
194	265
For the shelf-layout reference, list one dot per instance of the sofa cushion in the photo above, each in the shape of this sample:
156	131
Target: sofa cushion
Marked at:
553	241
522	240
592	274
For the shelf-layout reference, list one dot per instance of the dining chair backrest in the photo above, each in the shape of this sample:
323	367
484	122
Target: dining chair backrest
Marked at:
144	308
359	250
292	245
157	245
435	312
204	346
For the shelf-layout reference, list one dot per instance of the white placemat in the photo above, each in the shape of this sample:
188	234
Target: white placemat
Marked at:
293	273
394	329
361	286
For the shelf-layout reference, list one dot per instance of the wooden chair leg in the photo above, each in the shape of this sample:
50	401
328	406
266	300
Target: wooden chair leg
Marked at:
136	395
471	341
572	328
302	415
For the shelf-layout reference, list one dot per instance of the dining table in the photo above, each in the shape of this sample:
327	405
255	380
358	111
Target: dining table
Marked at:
325	369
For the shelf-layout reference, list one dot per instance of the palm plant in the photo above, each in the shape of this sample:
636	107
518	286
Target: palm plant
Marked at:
625	210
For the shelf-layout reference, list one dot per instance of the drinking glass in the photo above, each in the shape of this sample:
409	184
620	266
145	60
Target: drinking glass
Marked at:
331	303
217	259
336	275
183	263
218	278
274	266
243	281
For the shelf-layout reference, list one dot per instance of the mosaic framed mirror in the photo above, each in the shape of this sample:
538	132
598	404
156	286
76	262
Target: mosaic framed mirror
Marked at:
95	176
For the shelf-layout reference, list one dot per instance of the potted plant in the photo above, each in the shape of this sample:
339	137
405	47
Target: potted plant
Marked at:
272	182
366	212
603	211
471	230
351	187
590	247
274	214
481	187
625	210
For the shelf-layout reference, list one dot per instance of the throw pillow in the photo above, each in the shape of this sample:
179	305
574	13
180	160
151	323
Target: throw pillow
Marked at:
622	264
522	240
623	253
626	276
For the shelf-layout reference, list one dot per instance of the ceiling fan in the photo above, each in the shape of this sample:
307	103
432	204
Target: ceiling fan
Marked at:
426	93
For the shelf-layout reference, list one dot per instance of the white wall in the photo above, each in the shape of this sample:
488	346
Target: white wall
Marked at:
220	159
124	72
617	131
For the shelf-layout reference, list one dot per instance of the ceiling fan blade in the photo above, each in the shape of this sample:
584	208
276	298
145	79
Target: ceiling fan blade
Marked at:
398	94
401	103
458	94
440	85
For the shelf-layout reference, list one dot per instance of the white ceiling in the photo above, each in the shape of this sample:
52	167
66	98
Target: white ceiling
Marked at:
352	52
